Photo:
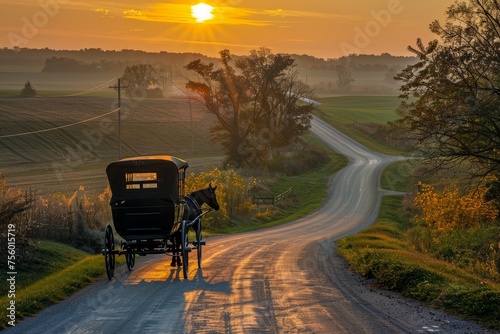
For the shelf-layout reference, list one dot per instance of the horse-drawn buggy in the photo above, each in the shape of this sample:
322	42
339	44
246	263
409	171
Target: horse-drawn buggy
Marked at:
152	214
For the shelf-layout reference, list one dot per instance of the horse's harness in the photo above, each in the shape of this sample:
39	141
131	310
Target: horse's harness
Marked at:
195	204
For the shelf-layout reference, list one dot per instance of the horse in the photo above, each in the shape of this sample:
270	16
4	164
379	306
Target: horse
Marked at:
192	209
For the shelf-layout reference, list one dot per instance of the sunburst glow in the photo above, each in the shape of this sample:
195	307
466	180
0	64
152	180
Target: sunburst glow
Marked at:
202	12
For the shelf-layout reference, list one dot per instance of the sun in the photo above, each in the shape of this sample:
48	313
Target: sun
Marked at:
202	12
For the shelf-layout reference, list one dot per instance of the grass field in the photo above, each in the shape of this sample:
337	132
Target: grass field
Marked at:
359	116
348	109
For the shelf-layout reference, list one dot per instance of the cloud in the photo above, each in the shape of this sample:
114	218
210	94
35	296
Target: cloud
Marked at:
296	13
102	11
224	15
129	13
161	12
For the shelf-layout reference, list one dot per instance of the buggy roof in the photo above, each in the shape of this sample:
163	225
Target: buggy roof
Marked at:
128	178
166	158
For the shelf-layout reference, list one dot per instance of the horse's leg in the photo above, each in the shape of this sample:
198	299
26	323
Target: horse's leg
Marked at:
172	264
175	254
176	258
179	241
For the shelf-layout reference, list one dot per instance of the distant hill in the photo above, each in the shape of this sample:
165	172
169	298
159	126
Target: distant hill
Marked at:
97	56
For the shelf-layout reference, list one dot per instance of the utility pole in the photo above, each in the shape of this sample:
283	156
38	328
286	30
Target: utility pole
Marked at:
119	87
191	118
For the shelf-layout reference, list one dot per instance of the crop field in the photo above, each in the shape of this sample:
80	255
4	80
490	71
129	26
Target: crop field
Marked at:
57	144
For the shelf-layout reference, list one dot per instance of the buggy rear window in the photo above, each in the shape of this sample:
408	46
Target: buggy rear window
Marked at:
148	180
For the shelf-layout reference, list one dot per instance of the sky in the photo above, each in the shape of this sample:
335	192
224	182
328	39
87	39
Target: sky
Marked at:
320	28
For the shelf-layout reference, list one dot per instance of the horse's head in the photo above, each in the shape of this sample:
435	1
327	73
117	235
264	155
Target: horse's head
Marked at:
207	196
212	198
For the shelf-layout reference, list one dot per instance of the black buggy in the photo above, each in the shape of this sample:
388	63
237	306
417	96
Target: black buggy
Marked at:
151	213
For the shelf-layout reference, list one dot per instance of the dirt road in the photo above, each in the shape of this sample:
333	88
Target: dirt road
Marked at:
281	280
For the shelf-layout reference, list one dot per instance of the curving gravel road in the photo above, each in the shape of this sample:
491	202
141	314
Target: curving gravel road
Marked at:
281	280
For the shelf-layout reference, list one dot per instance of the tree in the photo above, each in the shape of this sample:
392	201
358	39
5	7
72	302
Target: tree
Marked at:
64	64
451	95
344	73
140	81
28	90
258	100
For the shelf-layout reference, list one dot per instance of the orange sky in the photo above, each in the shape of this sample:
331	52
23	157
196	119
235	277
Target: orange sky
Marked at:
322	28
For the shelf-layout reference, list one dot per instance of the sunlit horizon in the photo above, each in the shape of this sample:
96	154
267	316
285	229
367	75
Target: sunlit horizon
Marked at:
317	28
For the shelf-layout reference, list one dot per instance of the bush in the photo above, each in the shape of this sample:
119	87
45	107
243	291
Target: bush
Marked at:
28	90
473	302
459	229
448	210
298	162
154	93
232	195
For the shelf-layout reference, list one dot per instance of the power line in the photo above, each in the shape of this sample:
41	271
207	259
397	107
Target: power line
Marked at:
59	127
90	90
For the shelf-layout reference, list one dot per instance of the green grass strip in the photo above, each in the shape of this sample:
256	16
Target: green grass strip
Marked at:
56	287
380	252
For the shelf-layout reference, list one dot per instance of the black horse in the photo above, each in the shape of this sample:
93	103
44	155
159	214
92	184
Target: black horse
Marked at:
192	212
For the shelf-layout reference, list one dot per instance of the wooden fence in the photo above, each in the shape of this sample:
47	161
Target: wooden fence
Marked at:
271	200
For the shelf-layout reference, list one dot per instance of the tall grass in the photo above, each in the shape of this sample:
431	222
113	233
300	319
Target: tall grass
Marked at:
75	219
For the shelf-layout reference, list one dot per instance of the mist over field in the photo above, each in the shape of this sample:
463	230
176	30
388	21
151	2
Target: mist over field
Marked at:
91	68
76	154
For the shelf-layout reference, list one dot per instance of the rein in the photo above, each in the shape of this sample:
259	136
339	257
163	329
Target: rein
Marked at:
197	206
195	203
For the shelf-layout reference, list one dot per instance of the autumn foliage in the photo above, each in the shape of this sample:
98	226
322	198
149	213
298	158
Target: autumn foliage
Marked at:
449	210
232	196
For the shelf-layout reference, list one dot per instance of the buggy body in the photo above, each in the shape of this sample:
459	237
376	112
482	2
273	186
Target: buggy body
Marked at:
147	205
147	196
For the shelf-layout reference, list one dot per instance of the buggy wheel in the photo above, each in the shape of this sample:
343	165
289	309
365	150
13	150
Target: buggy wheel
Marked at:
185	250
199	243
130	257
109	255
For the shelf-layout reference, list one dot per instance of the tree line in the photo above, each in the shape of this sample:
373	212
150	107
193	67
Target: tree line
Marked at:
71	65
